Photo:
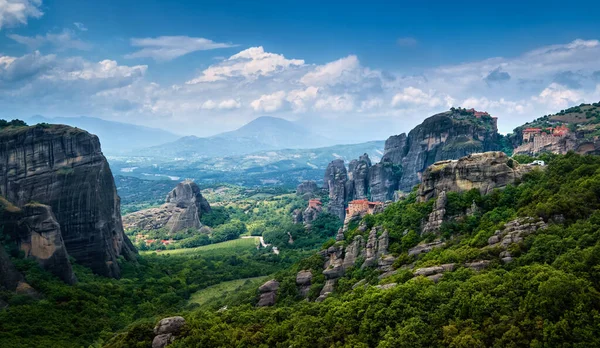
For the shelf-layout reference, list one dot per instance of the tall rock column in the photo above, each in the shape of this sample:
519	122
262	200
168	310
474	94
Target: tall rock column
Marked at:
334	181
358	173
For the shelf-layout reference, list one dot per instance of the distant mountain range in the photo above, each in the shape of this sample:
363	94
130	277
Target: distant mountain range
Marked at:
115	137
279	167
261	134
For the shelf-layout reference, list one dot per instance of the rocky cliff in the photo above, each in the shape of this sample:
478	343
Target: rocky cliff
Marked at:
448	135
183	209
482	171
37	234
64	168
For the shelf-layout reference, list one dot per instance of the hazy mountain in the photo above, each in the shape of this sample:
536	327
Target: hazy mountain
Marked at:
280	167
263	133
115	137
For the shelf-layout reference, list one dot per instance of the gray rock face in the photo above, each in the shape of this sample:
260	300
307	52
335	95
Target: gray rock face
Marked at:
310	214
383	181
436	218
166	331
297	216
171	325
515	231
358	174
447	135
425	248
63	167
183	208
307	188
353	251
37	233
478	266
482	171
304	281
268	293
395	149
186	196
334	181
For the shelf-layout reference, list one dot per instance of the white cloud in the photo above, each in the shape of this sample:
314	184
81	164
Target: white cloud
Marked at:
165	48
269	102
300	98
332	73
16	12
335	103
63	40
415	96
227	104
80	26
248	64
559	96
370	104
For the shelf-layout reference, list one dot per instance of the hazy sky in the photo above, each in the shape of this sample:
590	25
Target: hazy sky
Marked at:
346	68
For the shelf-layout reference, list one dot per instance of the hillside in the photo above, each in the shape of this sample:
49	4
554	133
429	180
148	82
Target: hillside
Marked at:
263	133
115	137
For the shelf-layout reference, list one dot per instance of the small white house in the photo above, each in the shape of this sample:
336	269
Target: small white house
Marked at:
537	163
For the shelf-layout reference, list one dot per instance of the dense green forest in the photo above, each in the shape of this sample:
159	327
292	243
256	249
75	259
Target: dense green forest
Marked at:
548	296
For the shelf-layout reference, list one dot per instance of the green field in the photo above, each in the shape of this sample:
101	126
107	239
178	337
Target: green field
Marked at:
223	289
236	244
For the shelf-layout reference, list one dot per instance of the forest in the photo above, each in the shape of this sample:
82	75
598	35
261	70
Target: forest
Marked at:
547	296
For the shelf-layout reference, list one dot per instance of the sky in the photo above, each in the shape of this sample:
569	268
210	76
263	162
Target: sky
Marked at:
351	70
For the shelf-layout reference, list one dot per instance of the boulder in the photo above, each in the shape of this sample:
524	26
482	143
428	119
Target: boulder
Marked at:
166	331
478	266
268	293
304	281
270	286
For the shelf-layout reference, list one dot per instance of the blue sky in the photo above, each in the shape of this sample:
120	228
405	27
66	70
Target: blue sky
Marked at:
354	68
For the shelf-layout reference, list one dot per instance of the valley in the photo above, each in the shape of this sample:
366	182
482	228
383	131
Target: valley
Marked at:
423	237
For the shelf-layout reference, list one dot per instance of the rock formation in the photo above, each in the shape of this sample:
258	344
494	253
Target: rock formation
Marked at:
183	209
166	331
304	281
514	232
334	181
448	135
307	189
436	218
268	293
64	168
383	181
482	171
358	178
38	235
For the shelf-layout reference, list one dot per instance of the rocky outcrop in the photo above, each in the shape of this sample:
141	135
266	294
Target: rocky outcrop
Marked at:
268	293
63	167
482	171
383	181
514	232
307	189
436	218
425	248
358	177
183	208
304	281
297	216
448	135
395	149
435	272
336	177
38	235
166	331
310	214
